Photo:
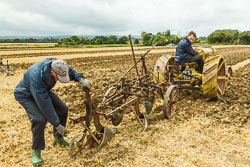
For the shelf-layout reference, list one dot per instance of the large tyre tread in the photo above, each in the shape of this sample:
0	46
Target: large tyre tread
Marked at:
211	75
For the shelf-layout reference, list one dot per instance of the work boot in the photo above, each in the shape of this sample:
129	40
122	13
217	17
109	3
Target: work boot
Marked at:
36	157
61	142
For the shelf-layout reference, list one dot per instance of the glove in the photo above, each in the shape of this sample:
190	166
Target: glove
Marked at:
62	130
85	83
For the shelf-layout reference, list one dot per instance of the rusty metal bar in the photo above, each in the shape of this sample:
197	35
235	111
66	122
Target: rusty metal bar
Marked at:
132	101
136	63
92	135
131	45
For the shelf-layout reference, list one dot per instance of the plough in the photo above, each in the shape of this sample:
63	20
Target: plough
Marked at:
139	92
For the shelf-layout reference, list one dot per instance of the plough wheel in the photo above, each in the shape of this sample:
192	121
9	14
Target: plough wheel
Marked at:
88	140
143	118
170	100
142	112
78	143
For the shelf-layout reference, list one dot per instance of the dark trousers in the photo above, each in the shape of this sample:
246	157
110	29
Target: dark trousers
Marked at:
38	121
199	60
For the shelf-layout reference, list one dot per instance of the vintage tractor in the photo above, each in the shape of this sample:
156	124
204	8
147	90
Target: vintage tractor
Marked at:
212	82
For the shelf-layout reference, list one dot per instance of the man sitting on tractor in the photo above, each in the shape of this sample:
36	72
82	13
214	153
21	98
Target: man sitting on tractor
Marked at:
186	54
34	92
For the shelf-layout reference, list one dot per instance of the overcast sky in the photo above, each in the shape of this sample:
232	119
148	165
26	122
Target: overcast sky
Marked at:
121	17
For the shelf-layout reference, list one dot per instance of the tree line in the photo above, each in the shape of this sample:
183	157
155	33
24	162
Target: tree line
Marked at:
30	40
146	40
162	38
226	36
97	40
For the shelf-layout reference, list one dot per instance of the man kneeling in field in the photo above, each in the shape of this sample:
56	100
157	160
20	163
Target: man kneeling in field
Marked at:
34	92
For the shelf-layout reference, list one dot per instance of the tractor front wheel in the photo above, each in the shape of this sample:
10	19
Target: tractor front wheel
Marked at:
170	101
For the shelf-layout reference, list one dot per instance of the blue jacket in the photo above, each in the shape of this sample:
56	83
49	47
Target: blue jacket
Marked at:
37	82
184	51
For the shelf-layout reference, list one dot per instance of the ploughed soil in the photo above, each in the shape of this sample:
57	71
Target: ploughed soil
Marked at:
199	133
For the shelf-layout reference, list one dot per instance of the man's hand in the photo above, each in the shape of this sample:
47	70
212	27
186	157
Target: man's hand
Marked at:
85	83
199	51
62	130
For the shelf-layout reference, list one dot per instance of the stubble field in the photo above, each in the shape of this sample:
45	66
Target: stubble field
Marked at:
200	133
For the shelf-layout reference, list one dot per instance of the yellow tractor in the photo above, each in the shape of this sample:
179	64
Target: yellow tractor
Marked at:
212	82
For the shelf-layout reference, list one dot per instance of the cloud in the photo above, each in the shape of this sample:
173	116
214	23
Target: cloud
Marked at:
119	17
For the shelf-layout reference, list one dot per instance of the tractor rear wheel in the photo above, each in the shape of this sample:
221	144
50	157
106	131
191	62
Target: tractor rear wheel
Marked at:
161	72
